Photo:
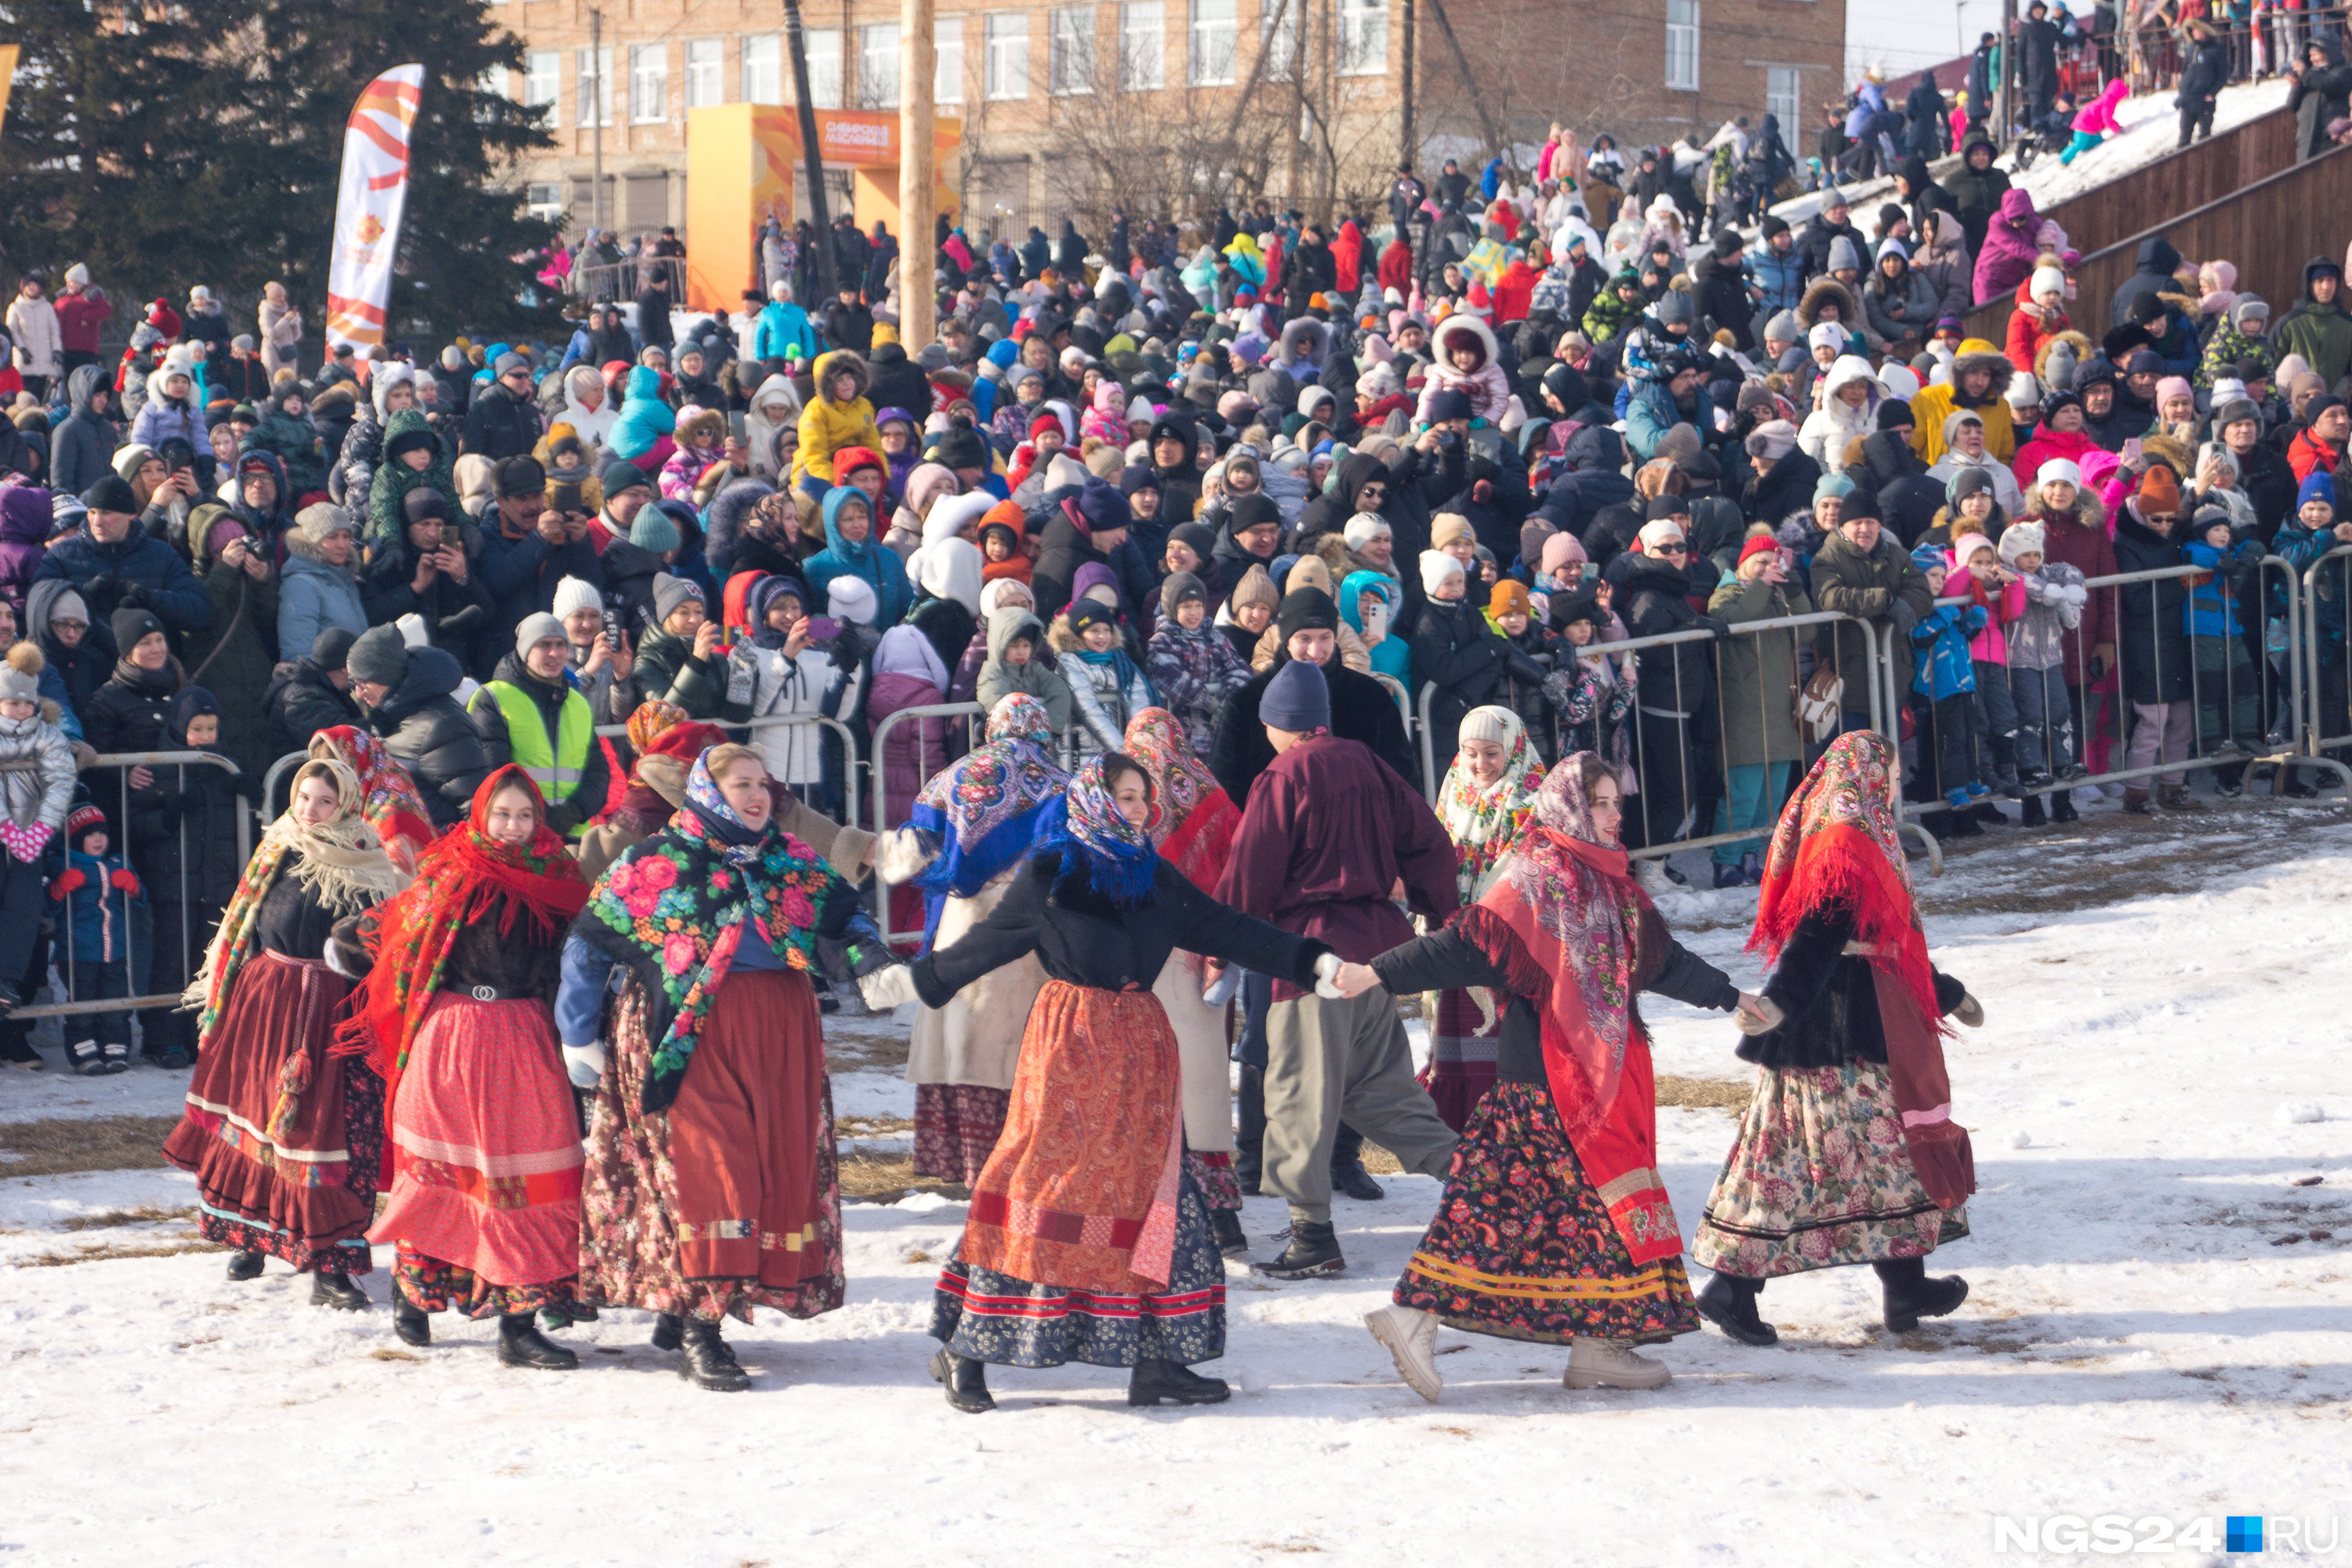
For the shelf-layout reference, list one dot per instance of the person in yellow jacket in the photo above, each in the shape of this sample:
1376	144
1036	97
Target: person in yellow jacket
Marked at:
532	715
837	416
1980	374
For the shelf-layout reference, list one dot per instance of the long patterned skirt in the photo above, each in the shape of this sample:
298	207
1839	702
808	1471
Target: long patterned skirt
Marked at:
1523	1247
1820	1176
1462	1045
1088	1238
485	1204
730	1198
286	1141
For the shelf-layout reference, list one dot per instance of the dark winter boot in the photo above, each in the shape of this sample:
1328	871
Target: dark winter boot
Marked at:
1313	1254
965	1380
1729	1302
1910	1295
2062	806
708	1362
1227	1225
409	1320
1153	1381
2035	813
670	1330
521	1344
243	1266
333	1288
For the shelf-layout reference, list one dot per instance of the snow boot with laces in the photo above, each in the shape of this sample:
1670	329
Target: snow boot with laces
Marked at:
1313	1254
521	1344
708	1362
1910	1295
1153	1381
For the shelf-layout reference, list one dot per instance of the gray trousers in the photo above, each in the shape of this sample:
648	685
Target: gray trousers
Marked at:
1330	1062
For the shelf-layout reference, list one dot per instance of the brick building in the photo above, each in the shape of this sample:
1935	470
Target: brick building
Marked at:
1161	102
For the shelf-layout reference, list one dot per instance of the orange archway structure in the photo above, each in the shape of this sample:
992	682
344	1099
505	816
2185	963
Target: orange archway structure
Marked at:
740	159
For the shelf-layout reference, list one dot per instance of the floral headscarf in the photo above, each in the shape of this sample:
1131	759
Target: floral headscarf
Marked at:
988	809
1120	858
1195	829
676	907
1485	820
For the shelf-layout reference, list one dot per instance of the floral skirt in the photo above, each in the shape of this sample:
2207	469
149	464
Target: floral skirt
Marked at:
1523	1247
956	1128
986	1316
1820	1176
485	1201
731	1197
1461	1048
286	1141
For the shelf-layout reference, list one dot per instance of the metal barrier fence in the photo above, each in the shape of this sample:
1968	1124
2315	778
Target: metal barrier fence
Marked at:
191	943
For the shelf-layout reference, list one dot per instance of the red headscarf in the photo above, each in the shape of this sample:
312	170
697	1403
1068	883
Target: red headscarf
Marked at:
461	880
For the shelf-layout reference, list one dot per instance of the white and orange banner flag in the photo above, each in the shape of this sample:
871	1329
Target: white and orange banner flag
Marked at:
367	210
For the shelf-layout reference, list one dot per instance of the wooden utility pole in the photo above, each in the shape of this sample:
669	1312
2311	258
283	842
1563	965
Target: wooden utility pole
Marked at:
812	155
918	300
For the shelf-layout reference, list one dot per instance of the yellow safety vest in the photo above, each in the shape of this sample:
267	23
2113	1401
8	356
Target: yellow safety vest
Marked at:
556	770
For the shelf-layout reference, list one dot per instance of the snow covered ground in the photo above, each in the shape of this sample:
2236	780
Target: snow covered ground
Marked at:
2158	1326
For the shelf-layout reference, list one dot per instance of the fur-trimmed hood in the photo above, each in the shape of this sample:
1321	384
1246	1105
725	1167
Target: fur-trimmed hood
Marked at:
1809	308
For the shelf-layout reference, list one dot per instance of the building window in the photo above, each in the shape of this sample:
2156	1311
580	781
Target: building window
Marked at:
543	72
703	58
824	66
947	72
1363	37
1782	93
1008	56
1070	51
648	81
1143	46
1682	45
763	75
1278	35
1215	34
594	87
878	66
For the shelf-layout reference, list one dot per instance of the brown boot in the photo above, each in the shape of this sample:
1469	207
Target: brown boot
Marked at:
2176	797
2138	803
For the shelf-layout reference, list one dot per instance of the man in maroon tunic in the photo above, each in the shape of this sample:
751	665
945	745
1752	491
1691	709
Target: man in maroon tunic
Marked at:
1327	837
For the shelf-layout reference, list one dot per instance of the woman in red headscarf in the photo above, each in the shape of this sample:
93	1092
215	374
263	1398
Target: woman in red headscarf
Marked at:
1848	1152
1554	1224
458	976
1194	833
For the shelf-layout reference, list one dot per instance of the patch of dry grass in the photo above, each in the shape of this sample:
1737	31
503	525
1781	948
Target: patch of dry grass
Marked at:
61	1146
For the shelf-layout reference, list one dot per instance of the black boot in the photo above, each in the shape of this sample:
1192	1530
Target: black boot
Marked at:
1313	1254
1729	1302
409	1321
521	1344
1153	1381
333	1288
1910	1295
670	1330
965	1380
1228	1227
708	1362
2036	814
243	1266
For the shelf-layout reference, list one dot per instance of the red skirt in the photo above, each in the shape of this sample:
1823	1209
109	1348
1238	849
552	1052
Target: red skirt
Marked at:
283	1139
486	1145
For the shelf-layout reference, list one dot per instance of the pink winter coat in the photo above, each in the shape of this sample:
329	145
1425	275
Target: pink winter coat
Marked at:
2098	116
2009	253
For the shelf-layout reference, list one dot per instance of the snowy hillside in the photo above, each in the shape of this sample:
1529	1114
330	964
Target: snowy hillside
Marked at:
2158	1327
